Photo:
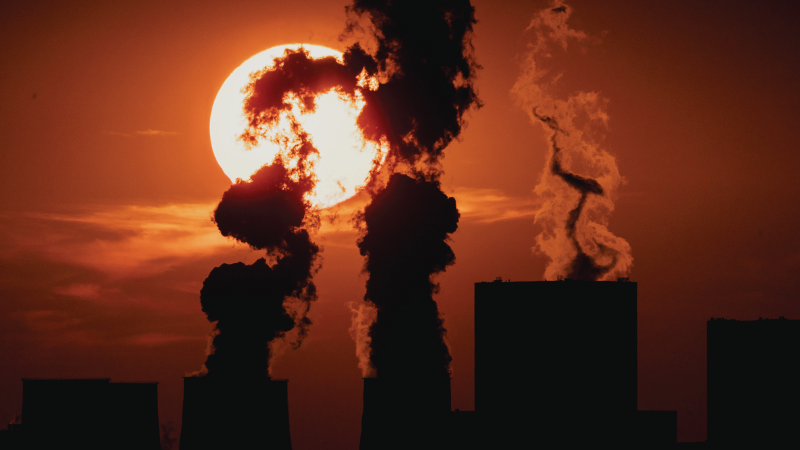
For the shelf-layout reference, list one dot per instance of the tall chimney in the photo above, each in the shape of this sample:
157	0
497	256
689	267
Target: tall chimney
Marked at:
402	413
230	412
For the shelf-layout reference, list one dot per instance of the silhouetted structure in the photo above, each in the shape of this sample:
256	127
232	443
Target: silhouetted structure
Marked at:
12	438
753	383
655	429
556	364
233	413
404	413
90	414
463	431
555	360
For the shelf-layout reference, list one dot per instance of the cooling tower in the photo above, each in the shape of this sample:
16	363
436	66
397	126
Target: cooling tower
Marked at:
247	413
555	361
404	413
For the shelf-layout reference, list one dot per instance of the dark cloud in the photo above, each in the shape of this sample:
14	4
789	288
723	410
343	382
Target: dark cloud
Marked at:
265	211
425	49
422	74
248	303
294	73
405	245
425	64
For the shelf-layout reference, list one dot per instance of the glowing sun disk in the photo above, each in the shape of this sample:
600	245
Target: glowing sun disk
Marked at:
344	161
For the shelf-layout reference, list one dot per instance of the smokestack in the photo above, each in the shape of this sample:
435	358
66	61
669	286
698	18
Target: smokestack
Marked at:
235	413
404	413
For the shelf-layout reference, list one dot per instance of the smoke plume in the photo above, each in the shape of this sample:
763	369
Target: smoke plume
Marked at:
408	224
574	209
423	61
412	68
253	305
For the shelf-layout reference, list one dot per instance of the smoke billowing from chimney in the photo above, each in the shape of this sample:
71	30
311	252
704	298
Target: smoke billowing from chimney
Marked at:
408	224
574	209
422	58
415	77
253	305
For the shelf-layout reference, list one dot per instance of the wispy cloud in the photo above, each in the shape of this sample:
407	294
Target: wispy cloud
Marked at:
117	133
492	205
119	241
149	132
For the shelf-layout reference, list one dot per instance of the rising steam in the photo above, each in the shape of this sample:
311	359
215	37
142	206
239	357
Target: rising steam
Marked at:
422	59
574	209
252	306
408	224
414	74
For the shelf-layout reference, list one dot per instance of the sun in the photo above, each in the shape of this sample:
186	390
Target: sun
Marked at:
345	157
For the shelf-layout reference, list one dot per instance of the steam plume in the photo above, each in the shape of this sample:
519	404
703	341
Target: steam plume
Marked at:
423	60
252	305
416	84
408	224
574	209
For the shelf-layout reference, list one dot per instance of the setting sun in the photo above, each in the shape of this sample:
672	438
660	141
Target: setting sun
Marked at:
345	158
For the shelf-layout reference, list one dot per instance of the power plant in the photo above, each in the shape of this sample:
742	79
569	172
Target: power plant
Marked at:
556	363
230	412
569	365
555	366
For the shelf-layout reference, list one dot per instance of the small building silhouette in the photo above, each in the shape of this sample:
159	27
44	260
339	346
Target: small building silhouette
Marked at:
90	414
753	383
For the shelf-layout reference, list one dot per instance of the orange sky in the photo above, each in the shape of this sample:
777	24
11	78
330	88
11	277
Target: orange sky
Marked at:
107	182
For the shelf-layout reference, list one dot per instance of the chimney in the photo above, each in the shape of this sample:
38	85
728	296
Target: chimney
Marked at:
402	413
230	412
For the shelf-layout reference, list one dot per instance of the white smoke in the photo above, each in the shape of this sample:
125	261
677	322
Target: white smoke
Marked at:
575	126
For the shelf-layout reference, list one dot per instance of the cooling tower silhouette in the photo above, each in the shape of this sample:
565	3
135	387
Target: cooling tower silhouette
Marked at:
403	413
230	412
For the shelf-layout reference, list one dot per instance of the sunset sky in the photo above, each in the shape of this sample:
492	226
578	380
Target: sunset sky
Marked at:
108	182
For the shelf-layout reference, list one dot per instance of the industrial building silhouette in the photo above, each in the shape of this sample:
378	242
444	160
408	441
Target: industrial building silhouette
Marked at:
753	383
90	414
555	366
556	363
